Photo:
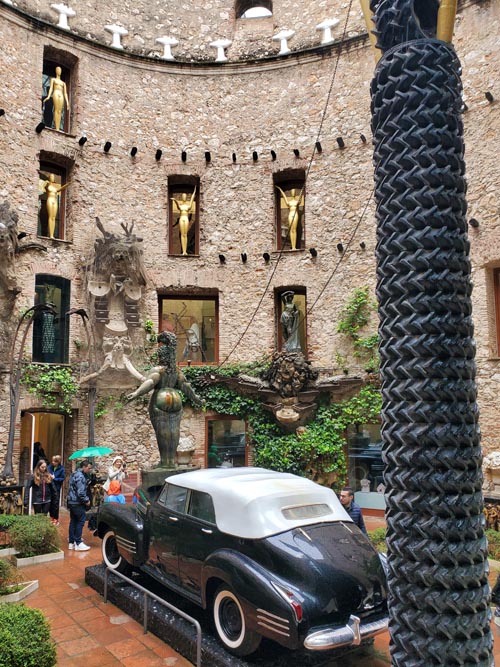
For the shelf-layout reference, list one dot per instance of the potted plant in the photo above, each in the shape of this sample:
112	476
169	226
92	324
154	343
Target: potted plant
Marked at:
12	588
35	539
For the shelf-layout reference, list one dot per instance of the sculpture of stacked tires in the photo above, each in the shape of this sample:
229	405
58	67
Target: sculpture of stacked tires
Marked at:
437	551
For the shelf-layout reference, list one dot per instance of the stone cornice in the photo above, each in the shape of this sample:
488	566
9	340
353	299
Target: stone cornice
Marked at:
69	40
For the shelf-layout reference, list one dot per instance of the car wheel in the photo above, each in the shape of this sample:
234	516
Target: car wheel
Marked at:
231	625
111	555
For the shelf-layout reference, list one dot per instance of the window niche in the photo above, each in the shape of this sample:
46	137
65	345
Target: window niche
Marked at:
289	192
57	75
248	9
226	442
194	320
291	327
53	182
183	215
51	332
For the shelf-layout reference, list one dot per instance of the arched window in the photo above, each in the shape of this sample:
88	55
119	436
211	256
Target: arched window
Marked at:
51	332
248	9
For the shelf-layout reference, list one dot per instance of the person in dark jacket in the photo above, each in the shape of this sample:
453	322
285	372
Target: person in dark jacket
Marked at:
78	502
39	485
57	471
38	454
352	508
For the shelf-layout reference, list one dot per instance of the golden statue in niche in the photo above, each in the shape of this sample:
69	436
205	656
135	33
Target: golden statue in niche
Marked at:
185	209
53	191
59	95
293	202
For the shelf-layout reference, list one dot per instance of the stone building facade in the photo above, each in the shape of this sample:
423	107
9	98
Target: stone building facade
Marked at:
227	133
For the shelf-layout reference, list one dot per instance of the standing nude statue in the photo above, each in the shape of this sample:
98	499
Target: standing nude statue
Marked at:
59	95
165	405
53	190
293	201
185	209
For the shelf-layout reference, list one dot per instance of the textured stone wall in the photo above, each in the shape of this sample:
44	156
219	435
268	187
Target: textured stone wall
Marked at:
196	25
274	105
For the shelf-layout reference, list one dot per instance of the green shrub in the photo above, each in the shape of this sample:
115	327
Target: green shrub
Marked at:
25	637
377	538
493	544
8	577
34	535
7	520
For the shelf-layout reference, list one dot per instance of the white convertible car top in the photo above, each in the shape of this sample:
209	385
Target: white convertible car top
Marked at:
255	503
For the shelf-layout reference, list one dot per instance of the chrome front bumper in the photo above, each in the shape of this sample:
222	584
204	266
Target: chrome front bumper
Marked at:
351	634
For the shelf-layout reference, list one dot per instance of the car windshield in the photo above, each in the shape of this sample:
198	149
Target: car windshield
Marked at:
305	511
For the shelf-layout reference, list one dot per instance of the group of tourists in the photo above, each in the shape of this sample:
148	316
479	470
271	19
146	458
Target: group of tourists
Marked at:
43	491
43	488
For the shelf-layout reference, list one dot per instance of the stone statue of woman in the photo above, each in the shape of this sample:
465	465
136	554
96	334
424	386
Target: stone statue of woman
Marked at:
290	320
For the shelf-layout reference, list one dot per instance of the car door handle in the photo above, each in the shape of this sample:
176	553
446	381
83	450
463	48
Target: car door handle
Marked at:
173	518
207	531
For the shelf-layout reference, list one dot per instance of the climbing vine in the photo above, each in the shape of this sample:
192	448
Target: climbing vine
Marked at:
317	451
354	317
54	386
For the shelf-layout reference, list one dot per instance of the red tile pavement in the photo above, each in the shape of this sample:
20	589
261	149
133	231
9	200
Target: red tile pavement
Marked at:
90	633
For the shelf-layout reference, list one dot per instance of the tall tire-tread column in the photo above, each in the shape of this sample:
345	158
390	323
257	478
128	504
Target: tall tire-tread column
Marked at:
437	551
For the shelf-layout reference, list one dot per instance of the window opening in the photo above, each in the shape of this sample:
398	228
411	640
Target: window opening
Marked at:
201	506
290	218
194	320
226	443
291	309
52	184
55	96
183	200
51	332
174	498
252	9
364	454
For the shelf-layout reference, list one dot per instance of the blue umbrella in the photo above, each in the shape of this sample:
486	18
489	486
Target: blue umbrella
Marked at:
90	452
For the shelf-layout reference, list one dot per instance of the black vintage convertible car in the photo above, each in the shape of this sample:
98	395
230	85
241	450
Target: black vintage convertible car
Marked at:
269	554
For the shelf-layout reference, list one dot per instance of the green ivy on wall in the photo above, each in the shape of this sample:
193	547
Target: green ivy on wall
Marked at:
317	451
54	386
354	317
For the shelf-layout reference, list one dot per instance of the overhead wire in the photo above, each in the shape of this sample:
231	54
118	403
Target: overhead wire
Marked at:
309	166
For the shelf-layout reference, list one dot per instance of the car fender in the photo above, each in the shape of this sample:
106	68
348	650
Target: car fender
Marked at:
252	584
128	526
